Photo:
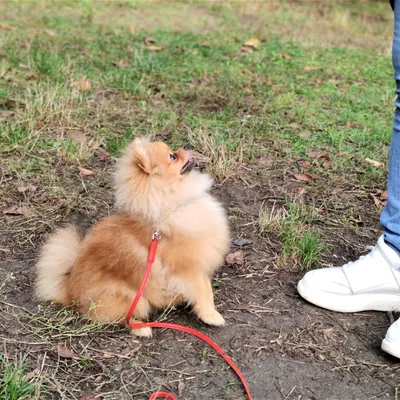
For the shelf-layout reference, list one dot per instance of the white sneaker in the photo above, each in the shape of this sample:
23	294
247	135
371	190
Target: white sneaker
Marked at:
391	343
370	283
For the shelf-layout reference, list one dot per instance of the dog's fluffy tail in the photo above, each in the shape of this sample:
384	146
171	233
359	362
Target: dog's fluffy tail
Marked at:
55	262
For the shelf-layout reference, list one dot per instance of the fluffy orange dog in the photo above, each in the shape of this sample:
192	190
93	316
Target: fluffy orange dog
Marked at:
156	189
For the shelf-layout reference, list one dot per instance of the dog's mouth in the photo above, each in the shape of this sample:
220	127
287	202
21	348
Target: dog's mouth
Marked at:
188	165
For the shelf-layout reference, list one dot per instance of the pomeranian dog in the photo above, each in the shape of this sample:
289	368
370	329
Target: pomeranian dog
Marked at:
156	190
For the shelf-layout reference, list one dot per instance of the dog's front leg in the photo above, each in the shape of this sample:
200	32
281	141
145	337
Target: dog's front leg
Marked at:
200	294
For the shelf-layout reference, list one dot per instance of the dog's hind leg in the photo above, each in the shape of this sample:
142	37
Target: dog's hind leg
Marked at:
111	303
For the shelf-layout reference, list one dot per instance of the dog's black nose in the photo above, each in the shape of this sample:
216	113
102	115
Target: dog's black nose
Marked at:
186	147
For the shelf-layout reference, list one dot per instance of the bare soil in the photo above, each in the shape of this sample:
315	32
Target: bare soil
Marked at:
286	348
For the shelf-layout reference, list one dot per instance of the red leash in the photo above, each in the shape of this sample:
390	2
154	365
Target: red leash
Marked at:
150	261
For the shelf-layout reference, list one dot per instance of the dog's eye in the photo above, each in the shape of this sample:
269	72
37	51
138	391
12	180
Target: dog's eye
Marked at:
172	157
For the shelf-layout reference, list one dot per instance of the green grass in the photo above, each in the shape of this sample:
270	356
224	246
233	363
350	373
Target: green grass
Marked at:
232	106
295	224
14	384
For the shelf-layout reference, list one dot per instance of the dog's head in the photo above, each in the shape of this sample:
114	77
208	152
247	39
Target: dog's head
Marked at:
158	160
151	178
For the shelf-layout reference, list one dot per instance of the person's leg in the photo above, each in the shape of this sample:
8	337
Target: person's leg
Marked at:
390	218
373	281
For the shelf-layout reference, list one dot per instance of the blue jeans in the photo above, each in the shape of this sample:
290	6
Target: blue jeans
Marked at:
390	217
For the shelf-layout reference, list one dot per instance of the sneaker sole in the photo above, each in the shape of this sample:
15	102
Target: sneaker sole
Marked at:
347	304
391	347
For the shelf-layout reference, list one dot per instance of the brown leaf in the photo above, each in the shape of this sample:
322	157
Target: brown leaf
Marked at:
377	202
348	124
247	72
316	154
122	64
101	53
149	40
376	164
252	43
304	178
304	163
78	137
96	143
91	396
104	155
268	161
27	188
235	258
131	29
181	388
49	32
384	195
327	164
16	210
305	134
65	352
32	374
155	48
31	75
85	172
83	85
285	56
308	68
6	27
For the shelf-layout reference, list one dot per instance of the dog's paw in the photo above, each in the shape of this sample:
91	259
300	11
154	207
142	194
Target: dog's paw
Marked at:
212	318
142	332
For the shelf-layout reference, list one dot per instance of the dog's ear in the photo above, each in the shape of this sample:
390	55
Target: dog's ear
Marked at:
141	157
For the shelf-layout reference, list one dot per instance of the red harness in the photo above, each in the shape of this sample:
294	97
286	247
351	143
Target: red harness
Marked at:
150	261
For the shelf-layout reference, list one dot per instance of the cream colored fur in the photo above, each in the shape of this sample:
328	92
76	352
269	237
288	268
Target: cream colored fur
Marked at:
55	261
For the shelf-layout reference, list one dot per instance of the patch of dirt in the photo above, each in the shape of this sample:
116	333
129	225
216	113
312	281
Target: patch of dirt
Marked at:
285	347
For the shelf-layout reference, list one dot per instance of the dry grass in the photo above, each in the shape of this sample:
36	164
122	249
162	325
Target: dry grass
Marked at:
224	159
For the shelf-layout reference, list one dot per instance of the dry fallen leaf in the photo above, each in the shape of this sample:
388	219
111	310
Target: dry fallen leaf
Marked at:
16	210
316	154
305	134
65	352
85	172
96	143
252	43
32	374
376	164
31	75
6	27
247	72
304	178
304	163
384	195
149	40
50	32
83	85
308	68
78	137
377	202
104	155
285	56
327	164
154	48
131	29
122	64
101	53
235	258
268	161
348	124
91	396
27	188
241	242
181	388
